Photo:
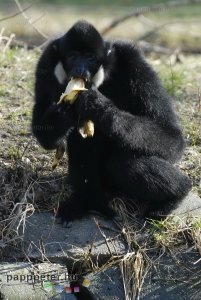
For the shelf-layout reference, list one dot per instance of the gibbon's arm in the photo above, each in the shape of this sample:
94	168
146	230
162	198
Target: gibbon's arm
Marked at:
132	132
50	120
153	131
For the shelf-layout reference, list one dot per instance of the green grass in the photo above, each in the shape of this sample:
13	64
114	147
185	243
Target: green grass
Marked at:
103	2
14	153
173	232
24	160
173	81
182	81
55	17
3	90
192	129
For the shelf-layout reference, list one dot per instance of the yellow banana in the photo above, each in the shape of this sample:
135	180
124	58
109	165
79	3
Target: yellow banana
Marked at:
74	86
87	130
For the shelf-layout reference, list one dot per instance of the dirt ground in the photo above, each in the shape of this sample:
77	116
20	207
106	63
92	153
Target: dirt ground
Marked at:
26	175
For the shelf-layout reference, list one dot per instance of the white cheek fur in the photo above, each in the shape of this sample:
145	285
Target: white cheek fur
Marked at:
60	73
99	77
61	76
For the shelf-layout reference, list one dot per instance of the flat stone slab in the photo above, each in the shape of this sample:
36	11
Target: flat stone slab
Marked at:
50	281
15	285
190	206
44	238
174	276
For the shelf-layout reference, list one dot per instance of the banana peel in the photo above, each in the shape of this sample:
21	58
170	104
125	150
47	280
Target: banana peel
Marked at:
87	130
59	154
74	87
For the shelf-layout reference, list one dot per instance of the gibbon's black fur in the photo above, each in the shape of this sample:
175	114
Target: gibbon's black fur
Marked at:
137	137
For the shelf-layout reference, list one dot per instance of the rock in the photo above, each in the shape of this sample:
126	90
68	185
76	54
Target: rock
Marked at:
26	160
42	234
174	276
190	206
107	285
15	285
47	281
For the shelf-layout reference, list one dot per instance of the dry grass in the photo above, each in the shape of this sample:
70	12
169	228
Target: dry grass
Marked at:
27	181
51	20
183	83
149	242
13	214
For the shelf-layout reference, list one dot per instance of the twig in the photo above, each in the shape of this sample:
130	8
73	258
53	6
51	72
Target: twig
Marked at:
148	47
9	41
41	250
147	9
197	261
5	41
103	235
37	19
111	229
28	20
161	26
199	99
16	14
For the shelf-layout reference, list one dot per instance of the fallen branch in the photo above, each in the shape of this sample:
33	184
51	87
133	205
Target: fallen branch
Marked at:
5	41
103	235
147	9
17	13
149	47
28	20
162	26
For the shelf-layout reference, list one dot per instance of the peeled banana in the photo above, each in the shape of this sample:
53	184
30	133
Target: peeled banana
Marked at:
87	130
74	86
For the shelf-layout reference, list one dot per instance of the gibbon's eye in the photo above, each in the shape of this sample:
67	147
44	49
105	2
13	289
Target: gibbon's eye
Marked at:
90	57
72	56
